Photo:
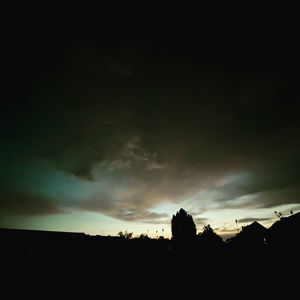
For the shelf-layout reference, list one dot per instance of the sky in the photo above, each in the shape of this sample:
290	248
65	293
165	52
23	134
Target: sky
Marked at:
115	117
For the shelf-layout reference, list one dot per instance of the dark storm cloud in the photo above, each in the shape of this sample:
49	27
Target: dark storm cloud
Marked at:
278	197
248	220
173	107
21	203
268	183
121	209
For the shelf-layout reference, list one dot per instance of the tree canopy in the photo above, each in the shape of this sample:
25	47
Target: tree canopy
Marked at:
209	239
183	226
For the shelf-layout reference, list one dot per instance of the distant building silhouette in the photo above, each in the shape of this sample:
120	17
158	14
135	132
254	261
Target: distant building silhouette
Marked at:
251	237
283	235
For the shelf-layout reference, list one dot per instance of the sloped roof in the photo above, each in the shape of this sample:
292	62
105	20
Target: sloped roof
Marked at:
286	222
254	227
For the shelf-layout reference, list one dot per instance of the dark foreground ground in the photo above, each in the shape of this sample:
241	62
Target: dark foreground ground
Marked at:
54	263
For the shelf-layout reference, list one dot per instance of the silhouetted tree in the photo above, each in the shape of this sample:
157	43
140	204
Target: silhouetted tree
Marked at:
144	236
183	226
207	230
125	235
209	239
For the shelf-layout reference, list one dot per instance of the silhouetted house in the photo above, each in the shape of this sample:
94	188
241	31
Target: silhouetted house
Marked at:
252	237
283	235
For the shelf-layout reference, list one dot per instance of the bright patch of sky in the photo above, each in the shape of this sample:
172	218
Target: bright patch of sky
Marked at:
68	191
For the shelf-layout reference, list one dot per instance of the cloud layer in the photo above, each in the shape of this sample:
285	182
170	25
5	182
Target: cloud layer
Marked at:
121	127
